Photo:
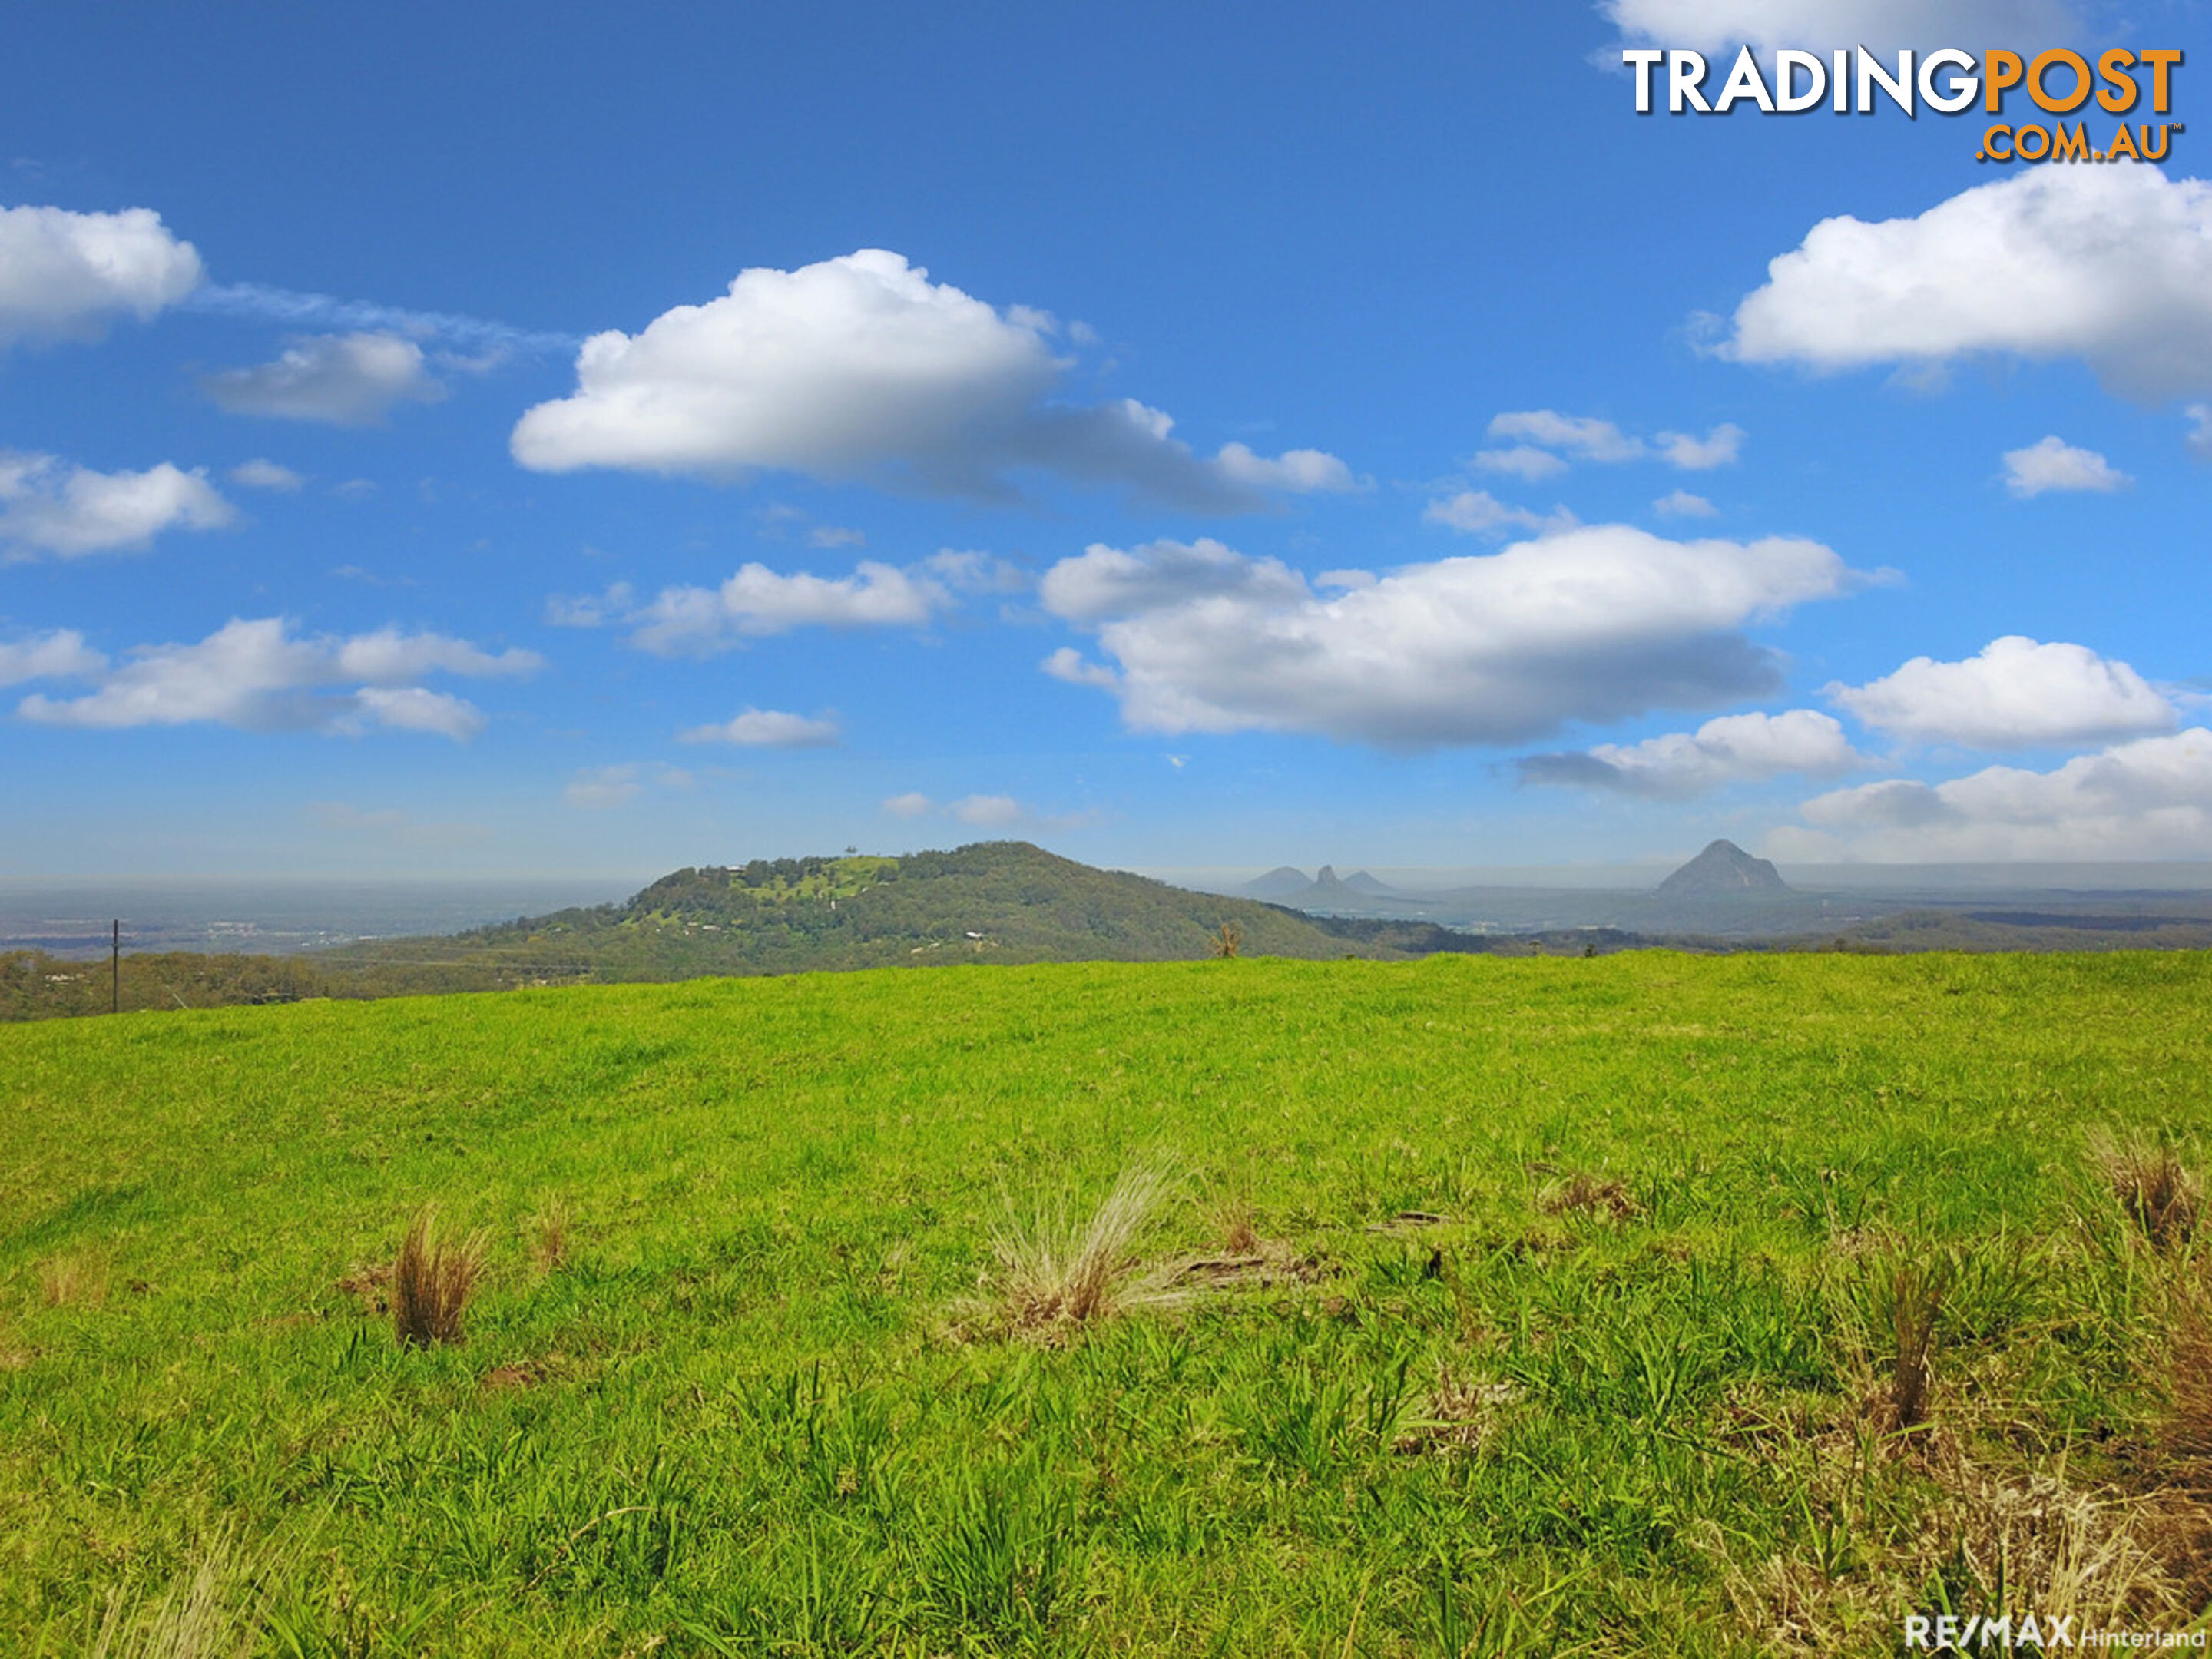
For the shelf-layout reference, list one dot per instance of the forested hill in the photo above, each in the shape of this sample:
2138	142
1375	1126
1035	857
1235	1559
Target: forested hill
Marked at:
991	902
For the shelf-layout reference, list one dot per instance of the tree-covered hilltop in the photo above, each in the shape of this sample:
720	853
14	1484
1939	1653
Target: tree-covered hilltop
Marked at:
991	902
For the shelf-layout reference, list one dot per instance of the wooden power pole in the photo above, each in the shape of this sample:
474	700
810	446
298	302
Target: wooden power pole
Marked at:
115	970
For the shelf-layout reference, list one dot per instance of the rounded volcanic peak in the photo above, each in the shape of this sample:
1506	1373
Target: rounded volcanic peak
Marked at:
1724	868
1280	881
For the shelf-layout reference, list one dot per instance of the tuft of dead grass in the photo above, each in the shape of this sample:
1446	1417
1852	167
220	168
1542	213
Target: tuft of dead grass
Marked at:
1232	1222
2062	1550
1915	1300
549	1243
2187	1435
72	1281
2155	1190
2173	1470
432	1281
1585	1193
210	1610
1059	1274
1458	1416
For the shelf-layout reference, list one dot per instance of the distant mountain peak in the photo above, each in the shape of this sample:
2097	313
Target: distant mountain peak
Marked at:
1278	882
1723	867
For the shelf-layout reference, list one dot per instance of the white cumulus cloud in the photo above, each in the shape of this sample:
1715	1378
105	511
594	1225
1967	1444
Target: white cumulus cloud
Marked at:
48	506
1709	25
1523	461
758	601
1067	664
1597	624
1297	471
1105	582
999	812
2054	464
766	728
266	475
1719	447
1682	504
58	656
1584	435
258	675
1479	513
966	571
1734	748
2109	264
1547	438
2150	799
2200	430
418	709
859	368
2016	694
346	379
63	276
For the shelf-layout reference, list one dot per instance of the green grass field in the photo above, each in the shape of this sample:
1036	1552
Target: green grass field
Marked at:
1544	1307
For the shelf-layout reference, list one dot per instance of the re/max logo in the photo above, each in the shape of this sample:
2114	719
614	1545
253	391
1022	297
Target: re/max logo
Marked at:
1979	1633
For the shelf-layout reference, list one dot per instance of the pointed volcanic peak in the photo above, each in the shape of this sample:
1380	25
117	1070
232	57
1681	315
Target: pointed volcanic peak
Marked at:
1328	883
1721	869
1363	882
1280	882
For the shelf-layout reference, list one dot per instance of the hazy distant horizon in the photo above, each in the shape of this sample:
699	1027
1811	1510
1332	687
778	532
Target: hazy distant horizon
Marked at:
2108	876
72	915
1628	875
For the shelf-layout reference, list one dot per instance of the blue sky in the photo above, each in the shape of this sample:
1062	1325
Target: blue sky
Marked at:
1182	435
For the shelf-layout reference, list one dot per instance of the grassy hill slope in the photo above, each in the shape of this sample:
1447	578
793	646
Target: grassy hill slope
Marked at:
1004	901
1544	1306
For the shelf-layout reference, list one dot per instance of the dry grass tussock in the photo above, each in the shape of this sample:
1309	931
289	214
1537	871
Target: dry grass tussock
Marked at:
2063	1551
1584	1193
1231	1219
72	1281
2155	1190
549	1243
1458	1415
210	1610
1915	1300
2017	1542
2187	1428
432	1281
1059	1273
